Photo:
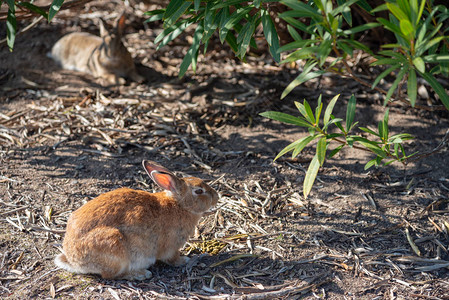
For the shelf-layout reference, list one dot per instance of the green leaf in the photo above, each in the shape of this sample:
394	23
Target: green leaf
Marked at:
33	8
293	33
397	12
411	87
196	4
286	118
310	117
334	24
437	87
334	120
192	53
389	162
338	124
171	33
54	8
311	174
155	17
303	77
323	51
350	113
396	150
172	7
407	28
340	8
176	14
232	20
384	73
401	136
226	4
428	44
380	127
404	6
335	151
374	148
301	8
302	109
329	109
384	123
395	84
298	24
318	109
11	25
413	11
304	143
320	5
364	5
364	27
296	44
334	135
210	25
346	14
231	40
154	12
301	14
358	45
345	47
271	36
384	61
321	150
244	37
421	9
371	163
419	64
303	54
369	131
390	26
381	7
298	146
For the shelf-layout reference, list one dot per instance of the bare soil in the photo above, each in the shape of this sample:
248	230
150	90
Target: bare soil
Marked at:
64	139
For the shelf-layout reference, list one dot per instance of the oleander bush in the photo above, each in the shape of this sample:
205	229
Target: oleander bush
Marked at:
325	36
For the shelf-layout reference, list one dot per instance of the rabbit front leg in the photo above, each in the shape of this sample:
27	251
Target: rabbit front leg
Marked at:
139	275
136	77
177	259
113	79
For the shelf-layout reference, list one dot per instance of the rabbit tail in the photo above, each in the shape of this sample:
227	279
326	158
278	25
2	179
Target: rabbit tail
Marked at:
62	262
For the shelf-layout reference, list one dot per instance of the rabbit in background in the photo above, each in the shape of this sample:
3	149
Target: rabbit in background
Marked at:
121	233
105	57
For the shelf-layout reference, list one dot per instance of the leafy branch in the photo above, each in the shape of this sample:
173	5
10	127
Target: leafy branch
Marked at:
385	146
18	10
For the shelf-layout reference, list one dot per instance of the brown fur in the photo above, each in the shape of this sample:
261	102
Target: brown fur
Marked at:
121	233
105	57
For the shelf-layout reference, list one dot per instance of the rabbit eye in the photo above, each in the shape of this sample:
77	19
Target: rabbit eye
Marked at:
199	191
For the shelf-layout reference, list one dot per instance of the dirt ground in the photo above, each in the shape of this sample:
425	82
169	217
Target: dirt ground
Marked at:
64	139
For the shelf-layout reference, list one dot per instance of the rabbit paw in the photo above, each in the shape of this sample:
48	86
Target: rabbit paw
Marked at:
121	81
178	260
139	275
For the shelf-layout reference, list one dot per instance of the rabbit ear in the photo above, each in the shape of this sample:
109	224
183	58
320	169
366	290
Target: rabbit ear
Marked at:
120	26
151	166
166	181
103	31
163	177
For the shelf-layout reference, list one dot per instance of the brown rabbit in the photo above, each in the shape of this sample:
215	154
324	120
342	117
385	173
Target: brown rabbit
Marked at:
104	56
121	233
